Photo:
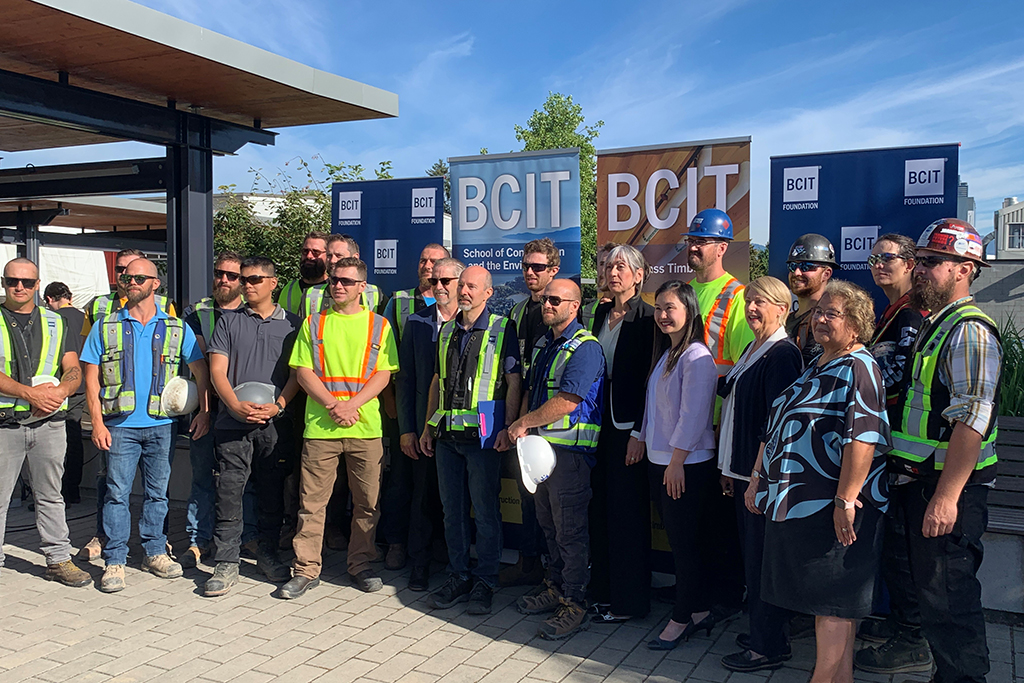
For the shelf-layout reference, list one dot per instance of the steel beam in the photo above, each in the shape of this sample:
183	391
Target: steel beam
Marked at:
190	214
132	176
19	219
150	241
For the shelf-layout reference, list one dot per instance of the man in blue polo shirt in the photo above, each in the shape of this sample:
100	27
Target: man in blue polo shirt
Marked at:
128	359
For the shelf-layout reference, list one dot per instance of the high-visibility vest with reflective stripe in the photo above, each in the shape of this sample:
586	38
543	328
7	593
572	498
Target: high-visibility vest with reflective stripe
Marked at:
587	314
406	303
49	363
117	364
316	299
716	322
487	376
517	314
208	313
341	386
104	305
923	433
290	298
580	429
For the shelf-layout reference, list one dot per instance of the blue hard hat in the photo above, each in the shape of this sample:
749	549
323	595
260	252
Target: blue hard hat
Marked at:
711	223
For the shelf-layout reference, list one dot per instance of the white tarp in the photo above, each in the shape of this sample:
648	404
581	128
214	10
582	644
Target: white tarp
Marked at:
84	271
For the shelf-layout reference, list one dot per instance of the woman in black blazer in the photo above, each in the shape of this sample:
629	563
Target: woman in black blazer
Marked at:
620	510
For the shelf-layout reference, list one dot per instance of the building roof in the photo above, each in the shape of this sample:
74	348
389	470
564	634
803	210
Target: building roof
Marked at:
98	213
122	48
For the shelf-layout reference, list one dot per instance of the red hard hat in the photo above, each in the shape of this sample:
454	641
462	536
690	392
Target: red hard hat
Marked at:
954	237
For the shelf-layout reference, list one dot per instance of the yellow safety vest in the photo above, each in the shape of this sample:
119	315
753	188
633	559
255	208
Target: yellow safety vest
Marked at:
49	363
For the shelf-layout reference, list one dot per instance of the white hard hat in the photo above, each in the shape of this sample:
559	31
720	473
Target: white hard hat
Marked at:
179	397
536	460
37	381
255	392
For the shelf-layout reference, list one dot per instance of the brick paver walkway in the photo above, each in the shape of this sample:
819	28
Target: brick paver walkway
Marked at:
158	630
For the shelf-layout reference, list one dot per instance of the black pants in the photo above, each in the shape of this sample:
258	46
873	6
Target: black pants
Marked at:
74	457
427	517
562	503
620	527
267	453
944	571
687	523
397	490
769	624
725	559
903	603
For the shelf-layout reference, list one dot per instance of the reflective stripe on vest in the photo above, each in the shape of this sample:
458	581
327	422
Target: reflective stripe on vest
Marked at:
102	306
917	438
579	429
405	305
486	378
117	366
290	298
206	312
717	322
339	386
316	299
588	313
49	364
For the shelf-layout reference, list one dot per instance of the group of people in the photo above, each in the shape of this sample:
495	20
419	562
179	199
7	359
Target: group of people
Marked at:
798	455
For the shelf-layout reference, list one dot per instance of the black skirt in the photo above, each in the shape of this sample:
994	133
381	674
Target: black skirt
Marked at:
806	569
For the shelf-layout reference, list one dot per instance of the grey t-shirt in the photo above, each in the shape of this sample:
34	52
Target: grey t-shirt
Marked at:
257	350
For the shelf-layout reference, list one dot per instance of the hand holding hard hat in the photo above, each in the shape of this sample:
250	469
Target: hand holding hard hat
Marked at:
37	381
258	395
536	460
179	397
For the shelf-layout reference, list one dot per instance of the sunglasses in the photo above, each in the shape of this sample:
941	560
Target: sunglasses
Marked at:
138	278
804	266
886	257
443	280
228	275
344	281
535	267
26	282
554	301
120	269
317	253
254	279
932	261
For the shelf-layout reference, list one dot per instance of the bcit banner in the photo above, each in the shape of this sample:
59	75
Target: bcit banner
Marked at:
854	197
647	196
502	201
392	220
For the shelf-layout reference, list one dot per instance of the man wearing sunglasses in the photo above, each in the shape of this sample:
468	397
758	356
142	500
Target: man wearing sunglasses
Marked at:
318	297
944	454
36	342
128	358
811	262
343	358
416	358
312	271
202	317
564	401
254	438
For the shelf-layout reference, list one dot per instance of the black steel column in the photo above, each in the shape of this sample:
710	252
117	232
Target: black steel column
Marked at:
190	212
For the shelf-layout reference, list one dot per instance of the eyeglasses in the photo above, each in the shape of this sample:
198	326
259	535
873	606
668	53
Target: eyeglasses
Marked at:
120	269
700	241
535	267
554	301
344	281
317	253
229	275
829	314
804	266
932	261
254	279
138	278
885	257
443	280
26	282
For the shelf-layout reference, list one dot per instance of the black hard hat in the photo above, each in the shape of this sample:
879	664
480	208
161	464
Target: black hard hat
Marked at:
812	247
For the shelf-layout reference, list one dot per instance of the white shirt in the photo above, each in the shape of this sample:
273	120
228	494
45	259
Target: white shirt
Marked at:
609	338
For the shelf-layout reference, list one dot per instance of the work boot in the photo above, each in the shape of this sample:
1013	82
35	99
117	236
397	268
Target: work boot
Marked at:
570	617
113	578
545	601
453	591
878	630
67	573
480	598
162	565
248	549
225	575
527	571
268	562
396	557
91	550
191	557
903	653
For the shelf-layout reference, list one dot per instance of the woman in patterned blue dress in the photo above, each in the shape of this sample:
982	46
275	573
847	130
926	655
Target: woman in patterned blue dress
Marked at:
821	482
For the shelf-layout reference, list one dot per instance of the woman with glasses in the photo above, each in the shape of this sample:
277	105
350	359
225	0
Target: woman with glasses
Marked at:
821	483
620	511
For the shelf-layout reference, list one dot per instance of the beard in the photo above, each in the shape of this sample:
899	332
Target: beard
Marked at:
926	296
137	295
312	269
227	294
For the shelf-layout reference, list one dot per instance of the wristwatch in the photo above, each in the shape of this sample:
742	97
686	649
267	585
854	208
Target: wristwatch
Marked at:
843	504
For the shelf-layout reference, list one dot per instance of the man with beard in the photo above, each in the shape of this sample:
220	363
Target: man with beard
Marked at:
128	358
318	298
943	458
416	356
202	317
541	262
722	305
312	272
564	401
811	262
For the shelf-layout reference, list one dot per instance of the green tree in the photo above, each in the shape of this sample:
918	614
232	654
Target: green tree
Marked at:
758	261
440	169
561	124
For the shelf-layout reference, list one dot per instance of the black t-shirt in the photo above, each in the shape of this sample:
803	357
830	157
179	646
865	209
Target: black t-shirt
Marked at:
798	327
531	329
892	345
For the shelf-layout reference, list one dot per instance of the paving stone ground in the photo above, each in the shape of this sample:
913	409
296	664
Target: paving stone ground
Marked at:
159	630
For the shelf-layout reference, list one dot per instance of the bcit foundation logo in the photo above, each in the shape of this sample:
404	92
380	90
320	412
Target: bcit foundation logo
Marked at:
350	208
385	257
800	188
924	181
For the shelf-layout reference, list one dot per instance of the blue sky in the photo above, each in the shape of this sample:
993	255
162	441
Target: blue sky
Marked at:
796	76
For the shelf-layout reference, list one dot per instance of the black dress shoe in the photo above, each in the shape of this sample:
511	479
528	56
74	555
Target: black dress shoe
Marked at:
745	661
296	587
419	579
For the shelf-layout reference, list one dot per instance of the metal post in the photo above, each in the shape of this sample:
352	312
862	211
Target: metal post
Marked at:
190	213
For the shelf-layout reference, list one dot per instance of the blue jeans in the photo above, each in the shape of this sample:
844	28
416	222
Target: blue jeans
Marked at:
131	448
200	517
468	474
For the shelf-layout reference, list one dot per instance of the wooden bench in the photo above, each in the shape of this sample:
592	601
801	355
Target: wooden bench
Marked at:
1006	500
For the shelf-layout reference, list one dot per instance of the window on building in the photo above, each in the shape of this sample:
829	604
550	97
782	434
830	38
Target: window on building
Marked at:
1015	236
